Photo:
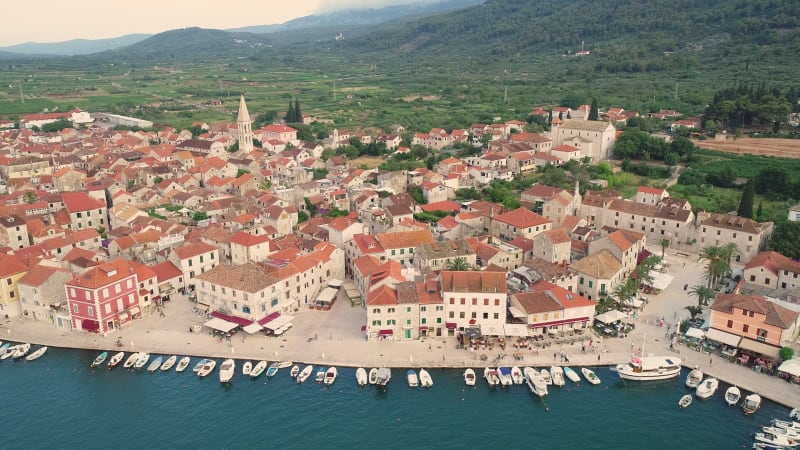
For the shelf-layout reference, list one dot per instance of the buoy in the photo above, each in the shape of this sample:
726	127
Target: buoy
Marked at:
398	420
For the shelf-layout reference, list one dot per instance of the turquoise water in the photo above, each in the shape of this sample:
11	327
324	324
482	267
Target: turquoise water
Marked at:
58	401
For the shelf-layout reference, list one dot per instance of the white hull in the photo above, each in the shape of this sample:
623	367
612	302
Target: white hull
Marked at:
590	376
330	376
647	377
751	404
492	378
557	373
207	368
247	367
361	376
294	372
412	379
155	364
131	361
304	374
373	375
183	364
685	401
383	377
572	375
425	379
469	377
37	354
650	368
259	368
143	358
548	380
535	381
284	364
22	349
169	363
516	375
733	395
707	388
227	370
694	378
115	360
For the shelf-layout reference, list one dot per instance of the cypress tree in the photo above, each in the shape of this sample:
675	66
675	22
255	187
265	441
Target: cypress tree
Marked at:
593	113
290	113
746	203
298	115
759	212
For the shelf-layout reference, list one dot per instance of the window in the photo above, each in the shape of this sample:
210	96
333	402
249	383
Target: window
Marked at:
496	316
462	315
485	315
376	322
474	302
745	328
497	302
730	324
105	292
440	308
390	311
274	302
474	315
408	321
463	301
108	308
424	320
91	311
246	309
590	284
423	308
752	278
452	301
190	262
439	319
486	302
451	315
75	308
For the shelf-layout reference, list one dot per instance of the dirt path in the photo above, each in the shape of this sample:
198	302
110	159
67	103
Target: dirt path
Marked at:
784	148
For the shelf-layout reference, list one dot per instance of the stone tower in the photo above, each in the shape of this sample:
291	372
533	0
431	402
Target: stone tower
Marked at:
244	127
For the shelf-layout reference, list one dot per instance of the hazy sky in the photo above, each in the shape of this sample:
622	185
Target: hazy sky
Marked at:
59	20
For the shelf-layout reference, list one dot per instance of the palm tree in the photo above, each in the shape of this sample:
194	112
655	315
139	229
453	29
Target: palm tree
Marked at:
730	250
664	245
624	292
717	263
703	294
604	304
694	311
459	264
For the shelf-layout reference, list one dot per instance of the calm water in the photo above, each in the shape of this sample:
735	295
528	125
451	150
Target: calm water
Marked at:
57	401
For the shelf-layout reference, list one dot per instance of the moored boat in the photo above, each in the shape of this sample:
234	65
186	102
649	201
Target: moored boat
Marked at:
733	395
516	375
373	375
21	350
557	373
115	360
305	373
383	377
794	414
784	424
131	361
168	363
207	368
295	371
469	377
142	360
548	380
9	351
259	368
492	378
751	403
199	366
320	376
272	370
590	375
790	433
247	367
361	376
685	401
694	378
572	375
425	379
650	368
775	439
4	349
707	388
99	359
183	364
37	354
535	381
411	378
284	364
504	373
227	370
330	376
156	364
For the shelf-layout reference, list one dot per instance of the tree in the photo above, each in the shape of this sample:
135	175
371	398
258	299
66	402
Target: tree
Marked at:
759	212
703	294
664	246
786	239
717	264
290	113
30	197
199	215
102	232
298	115
786	353
593	113
746	203
694	311
310	207
624	292
459	264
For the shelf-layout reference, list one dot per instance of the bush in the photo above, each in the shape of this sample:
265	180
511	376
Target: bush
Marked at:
786	353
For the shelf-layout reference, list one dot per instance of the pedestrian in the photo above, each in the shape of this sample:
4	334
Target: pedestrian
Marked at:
430	347
710	361
583	348
590	342
598	356
555	355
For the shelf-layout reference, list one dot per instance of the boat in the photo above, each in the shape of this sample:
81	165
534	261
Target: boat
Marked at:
143	358
361	376
284	364
207	368
259	368
557	373
775	439
411	378
548	380
516	375
320	376
733	395
4	349
295	370
383	377
169	363
305	373
98	360
155	364
247	367
590	376
794	414
425	379
199	366
505	376
373	375
129	363
469	377
572	375
535	381
272	370
183	364
751	404
115	360
707	388
694	378
227	370
492	378
330	376
784	424
21	350
38	353
790	433
685	401
763	446
650	368
9	351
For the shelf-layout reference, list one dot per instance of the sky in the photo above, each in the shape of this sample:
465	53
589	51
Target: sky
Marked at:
59	20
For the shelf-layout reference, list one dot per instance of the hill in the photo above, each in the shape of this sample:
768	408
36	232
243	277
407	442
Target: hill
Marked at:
74	46
192	43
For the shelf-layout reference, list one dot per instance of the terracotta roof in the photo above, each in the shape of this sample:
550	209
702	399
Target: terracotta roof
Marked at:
10	265
444	205
472	281
774	262
248	240
81	201
522	218
247	277
103	275
601	265
404	239
557	236
166	271
196	248
651	190
776	315
383	295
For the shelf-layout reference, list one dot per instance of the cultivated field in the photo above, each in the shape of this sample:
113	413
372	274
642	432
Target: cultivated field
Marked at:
784	148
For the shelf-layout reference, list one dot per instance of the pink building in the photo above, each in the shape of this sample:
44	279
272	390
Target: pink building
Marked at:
103	298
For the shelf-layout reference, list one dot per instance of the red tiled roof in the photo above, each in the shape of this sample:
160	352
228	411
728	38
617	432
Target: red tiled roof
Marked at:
522	218
81	201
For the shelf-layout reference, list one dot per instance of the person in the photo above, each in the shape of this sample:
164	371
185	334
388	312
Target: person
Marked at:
710	361
598	356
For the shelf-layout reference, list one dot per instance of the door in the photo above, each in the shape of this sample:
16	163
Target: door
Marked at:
408	334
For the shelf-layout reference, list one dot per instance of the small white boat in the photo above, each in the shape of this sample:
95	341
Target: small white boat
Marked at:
383	377
305	373
548	380
469	377
199	366
21	350
590	376
4	349
259	368
9	352
37	354
284	364
535	381
516	375
492	378
272	370
572	375
227	370
183	364
169	363
131	361
330	376
425	379
505	376
247	367
790	433
707	388
411	378
142	360
733	395
100	359
776	440
320	376
784	424
685	401
694	378
295	371
115	360
373	375
557	373
155	364
751	404
207	368
794	414
361	376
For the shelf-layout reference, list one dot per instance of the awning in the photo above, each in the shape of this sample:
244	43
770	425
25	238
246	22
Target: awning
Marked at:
363	328
555	323
229	318
792	367
492	330
451	325
516	329
123	316
385	333
610	316
134	311
279	322
723	337
220	325
634	302
269	318
90	325
660	280
696	333
254	327
425	329
759	347
334	283
516	312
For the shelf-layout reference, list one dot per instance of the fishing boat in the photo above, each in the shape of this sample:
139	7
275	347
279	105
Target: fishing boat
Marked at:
685	401
330	376
156	364
650	368
320	376
22	349
373	375
469	377
9	351
183	364
272	370
383	377
207	368
284	364
411	378
4	349
492	378
305	373
505	376
751	403
361	376
115	360
227	370
143	358
775	439
590	376
37	354
247	367
707	388
733	395
99	359
199	366
535	382
694	378
169	363
131	361
548	380
557	373
295	371
425	379
259	368
572	375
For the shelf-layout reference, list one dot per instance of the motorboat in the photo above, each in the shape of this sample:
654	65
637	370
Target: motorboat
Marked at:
590	375
142	360
425	379
694	378
131	361
38	353
258	369
794	414
535	381
305	373
763	446
411	378
156	364
685	401
775	439
330	376
247	367
199	366
168	363
207	368
227	370
373	375
751	404
384	376
492	378
557	373
272	370
469	377
505	376
707	388
295	370
548	380
572	375
361	376
21	350
784	424
4	349
650	368
733	395
100	359
115	360
183	364
284	364
516	375
320	376
790	433
9	351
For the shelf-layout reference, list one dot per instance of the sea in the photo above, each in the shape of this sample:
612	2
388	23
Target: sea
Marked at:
58	401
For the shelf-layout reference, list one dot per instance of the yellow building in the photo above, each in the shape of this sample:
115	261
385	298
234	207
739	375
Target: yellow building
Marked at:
11	270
